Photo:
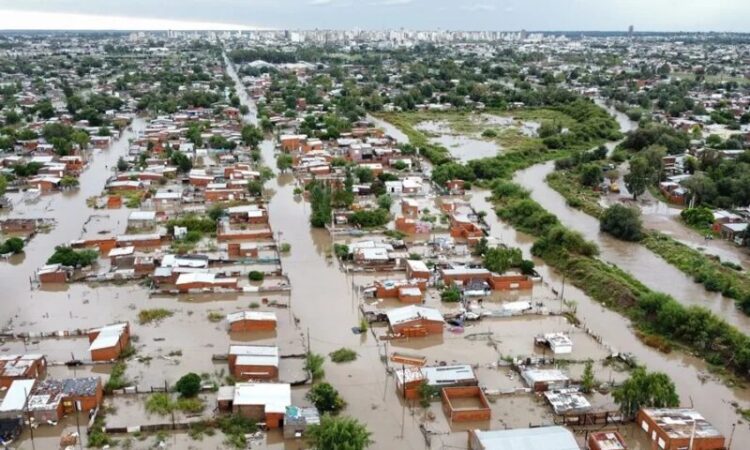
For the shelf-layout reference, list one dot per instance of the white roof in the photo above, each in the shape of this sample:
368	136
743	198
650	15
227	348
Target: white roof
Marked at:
251	315
121	251
139	237
195	277
254	350
440	375
533	375
108	336
411	291
142	215
413	312
371	254
417	265
465	271
15	398
164	195
547	438
274	396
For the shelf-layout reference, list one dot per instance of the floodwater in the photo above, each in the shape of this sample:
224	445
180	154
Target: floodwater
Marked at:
462	147
694	383
695	386
634	258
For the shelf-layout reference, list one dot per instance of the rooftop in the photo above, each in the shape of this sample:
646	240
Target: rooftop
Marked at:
678	422
275	397
547	438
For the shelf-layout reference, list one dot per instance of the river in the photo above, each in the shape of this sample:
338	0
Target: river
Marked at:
632	257
695	386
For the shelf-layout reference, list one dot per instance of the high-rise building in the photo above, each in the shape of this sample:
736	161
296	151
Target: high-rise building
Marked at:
630	31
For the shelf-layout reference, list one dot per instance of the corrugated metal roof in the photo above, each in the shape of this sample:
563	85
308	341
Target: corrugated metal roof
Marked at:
547	438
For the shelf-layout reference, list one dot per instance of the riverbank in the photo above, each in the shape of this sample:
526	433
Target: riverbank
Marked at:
704	269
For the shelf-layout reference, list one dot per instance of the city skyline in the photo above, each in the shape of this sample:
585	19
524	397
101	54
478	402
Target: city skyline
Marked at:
563	15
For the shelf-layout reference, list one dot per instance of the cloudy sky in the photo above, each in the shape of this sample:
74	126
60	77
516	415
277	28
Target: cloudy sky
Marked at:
652	15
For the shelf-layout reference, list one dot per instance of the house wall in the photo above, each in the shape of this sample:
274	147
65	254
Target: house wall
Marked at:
53	277
253	325
465	415
430	327
655	433
255	412
252	372
511	282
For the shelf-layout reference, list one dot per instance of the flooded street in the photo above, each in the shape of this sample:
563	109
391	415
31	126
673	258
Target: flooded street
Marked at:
47	310
695	385
643	264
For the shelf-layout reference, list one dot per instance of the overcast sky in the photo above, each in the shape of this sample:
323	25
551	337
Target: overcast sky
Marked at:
645	15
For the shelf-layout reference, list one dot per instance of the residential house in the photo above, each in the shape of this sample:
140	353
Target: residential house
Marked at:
254	362
679	428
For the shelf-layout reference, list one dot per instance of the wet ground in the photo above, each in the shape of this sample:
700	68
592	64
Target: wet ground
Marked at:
325	301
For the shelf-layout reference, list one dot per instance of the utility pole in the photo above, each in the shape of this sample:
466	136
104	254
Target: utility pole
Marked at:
731	437
403	390
78	426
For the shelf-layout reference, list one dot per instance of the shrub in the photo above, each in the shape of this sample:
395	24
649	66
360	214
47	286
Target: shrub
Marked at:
451	295
189	385
74	258
314	365
326	398
343	355
370	218
255	275
235	427
159	403
622	222
153	315
12	245
338	433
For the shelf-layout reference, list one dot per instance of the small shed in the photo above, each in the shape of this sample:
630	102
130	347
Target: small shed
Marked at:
252	321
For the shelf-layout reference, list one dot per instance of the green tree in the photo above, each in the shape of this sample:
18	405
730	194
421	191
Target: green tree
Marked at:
639	177
3	185
385	201
122	165
284	162
500	259
255	187
189	385
643	390
591	175
587	380
622	222
320	202
326	398
12	245
338	433
182	161
251	135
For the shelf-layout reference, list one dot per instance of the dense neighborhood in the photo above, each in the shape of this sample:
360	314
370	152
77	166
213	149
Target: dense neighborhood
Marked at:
395	239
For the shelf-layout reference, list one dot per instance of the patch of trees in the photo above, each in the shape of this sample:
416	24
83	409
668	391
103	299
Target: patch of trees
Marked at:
655	134
622	222
73	258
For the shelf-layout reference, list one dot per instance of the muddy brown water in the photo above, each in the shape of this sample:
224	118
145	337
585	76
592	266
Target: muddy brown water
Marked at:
696	387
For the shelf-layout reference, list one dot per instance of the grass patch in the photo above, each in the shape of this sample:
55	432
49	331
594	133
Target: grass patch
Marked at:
162	403
117	379
146	316
235	427
215	317
343	355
